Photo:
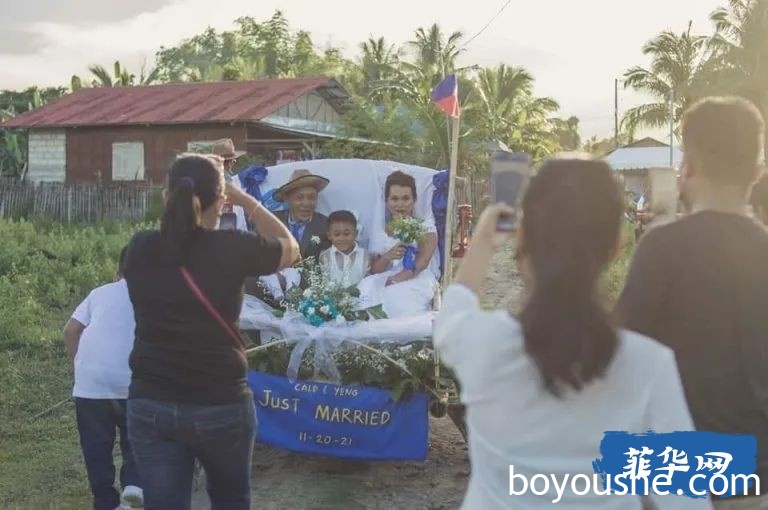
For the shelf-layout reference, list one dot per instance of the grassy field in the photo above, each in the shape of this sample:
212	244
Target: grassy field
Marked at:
45	270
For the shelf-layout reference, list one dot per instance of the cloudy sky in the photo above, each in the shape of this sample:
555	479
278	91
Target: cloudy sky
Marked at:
575	49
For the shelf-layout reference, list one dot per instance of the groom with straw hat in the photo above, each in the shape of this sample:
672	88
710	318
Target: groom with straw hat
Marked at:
307	225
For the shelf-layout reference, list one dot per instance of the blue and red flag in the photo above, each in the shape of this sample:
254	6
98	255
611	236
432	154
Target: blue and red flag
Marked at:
446	96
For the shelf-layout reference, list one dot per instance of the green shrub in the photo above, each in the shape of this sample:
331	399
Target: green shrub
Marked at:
46	269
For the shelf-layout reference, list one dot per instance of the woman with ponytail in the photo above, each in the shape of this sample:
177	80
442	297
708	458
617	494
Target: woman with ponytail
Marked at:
543	388
189	398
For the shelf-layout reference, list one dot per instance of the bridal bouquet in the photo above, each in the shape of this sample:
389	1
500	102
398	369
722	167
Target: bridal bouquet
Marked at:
409	231
321	300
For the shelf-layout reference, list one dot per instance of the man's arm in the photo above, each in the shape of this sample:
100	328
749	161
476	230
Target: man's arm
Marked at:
72	332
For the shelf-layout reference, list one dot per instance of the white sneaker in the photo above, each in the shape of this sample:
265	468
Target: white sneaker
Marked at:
133	497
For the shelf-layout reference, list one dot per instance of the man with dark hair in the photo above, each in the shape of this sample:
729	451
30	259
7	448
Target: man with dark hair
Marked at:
700	285
99	339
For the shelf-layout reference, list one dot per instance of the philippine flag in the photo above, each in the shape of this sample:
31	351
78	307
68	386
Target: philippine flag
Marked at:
446	96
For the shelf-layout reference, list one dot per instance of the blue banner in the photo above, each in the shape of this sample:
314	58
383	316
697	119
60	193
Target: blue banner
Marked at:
352	422
689	464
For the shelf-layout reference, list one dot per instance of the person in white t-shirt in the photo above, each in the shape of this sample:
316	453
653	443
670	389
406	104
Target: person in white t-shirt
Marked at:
541	390
99	340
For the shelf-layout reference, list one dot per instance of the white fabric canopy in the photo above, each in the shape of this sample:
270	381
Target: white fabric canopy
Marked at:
356	185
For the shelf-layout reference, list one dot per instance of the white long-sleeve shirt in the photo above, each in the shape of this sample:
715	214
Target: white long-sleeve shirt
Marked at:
513	420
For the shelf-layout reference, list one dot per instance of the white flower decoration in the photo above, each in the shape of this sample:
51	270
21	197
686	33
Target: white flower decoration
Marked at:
307	293
340	319
324	309
315	240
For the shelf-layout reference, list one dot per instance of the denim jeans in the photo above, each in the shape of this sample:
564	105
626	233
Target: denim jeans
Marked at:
168	437
98	421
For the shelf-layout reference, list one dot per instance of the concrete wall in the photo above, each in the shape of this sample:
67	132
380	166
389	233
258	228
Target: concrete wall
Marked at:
47	155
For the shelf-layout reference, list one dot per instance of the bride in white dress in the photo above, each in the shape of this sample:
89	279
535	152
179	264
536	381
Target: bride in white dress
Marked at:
400	291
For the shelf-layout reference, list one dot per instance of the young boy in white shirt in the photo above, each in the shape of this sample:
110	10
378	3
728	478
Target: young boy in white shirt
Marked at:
99	339
345	261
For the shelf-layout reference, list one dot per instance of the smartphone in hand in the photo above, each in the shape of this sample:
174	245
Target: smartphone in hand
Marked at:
228	221
510	173
228	218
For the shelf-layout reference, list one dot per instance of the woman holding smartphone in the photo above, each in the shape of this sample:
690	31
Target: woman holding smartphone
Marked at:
189	398
541	389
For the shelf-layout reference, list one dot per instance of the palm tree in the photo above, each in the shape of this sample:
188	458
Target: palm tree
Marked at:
411	84
240	68
76	83
567	131
679	63
741	41
121	78
499	93
505	109
436	52
7	113
378	62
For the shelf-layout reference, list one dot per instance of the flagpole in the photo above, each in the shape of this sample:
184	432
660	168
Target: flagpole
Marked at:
449	213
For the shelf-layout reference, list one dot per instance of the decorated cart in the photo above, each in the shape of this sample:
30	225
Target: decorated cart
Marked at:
355	383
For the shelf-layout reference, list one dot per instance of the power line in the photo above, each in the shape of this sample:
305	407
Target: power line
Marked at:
486	25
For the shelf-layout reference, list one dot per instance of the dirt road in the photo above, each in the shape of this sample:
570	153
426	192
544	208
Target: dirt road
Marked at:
289	481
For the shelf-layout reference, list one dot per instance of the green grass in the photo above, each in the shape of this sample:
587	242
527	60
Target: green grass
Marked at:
45	270
616	274
40	461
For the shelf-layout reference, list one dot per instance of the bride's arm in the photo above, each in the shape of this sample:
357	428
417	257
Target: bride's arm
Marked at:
381	262
427	248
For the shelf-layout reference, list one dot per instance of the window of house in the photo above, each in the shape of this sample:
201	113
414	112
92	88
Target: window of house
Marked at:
128	161
201	146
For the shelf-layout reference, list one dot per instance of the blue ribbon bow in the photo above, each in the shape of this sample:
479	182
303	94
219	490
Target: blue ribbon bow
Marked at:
409	258
440	210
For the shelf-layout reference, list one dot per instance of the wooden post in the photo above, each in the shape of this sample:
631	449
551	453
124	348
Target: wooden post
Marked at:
449	213
69	205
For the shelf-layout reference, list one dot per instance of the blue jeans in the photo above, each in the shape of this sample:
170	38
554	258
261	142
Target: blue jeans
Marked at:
98	421
168	437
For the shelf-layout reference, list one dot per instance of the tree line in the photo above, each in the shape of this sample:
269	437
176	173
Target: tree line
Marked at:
390	86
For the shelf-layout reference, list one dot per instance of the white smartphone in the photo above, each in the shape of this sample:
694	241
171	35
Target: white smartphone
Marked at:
510	173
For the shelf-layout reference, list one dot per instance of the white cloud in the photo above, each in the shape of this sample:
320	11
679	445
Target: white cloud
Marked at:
574	49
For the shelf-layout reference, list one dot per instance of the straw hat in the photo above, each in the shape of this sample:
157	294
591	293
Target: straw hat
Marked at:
301	179
225	149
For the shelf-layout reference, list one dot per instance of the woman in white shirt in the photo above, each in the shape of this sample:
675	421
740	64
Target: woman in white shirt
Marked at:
542	390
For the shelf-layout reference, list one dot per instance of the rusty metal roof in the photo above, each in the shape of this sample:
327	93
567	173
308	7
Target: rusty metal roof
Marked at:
175	103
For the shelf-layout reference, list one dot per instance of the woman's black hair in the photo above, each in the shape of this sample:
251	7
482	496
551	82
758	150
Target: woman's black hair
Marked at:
571	224
195	182
399	178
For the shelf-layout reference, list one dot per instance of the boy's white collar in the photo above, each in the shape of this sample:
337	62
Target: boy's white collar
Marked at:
354	250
